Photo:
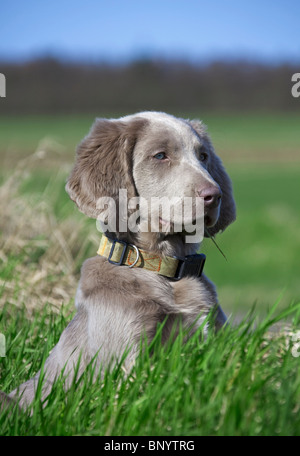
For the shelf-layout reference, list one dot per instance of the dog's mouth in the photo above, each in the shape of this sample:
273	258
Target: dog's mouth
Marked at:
211	217
209	221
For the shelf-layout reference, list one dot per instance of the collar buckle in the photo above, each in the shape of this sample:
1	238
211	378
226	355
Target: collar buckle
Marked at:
119	263
191	265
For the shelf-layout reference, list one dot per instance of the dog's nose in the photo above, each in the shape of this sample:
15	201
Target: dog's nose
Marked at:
212	196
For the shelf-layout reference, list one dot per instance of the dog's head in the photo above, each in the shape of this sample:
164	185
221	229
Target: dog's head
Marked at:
151	155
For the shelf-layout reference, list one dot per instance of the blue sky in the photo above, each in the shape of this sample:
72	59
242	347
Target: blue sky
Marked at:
268	30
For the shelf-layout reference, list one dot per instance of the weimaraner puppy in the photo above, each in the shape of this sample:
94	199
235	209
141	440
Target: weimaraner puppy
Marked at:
139	277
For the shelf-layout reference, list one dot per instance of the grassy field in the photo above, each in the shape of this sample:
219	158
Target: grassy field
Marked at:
229	384
234	384
248	137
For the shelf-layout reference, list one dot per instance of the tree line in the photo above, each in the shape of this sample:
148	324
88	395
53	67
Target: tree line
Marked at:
49	86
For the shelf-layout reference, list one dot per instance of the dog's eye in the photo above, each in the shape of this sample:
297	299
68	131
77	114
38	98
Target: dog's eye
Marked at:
160	156
203	156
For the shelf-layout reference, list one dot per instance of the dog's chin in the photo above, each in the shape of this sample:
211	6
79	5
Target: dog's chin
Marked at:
210	221
211	216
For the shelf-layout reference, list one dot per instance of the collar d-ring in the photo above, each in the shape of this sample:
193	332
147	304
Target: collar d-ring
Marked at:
137	255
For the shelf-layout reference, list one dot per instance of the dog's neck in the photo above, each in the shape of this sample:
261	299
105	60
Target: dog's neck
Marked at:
162	244
167	244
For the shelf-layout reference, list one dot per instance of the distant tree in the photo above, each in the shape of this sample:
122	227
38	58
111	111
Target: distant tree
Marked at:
52	86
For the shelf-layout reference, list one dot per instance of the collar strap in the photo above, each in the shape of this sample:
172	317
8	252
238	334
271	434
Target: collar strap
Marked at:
121	253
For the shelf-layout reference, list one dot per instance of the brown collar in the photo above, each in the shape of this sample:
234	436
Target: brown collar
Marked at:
122	253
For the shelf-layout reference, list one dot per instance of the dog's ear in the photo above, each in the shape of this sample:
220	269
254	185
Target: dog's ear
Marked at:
218	173
104	163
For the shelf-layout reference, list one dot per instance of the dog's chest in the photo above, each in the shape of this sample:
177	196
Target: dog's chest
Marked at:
191	295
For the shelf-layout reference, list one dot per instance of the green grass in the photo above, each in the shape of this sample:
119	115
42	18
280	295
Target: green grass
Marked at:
24	132
262	245
237	137
242	381
255	137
